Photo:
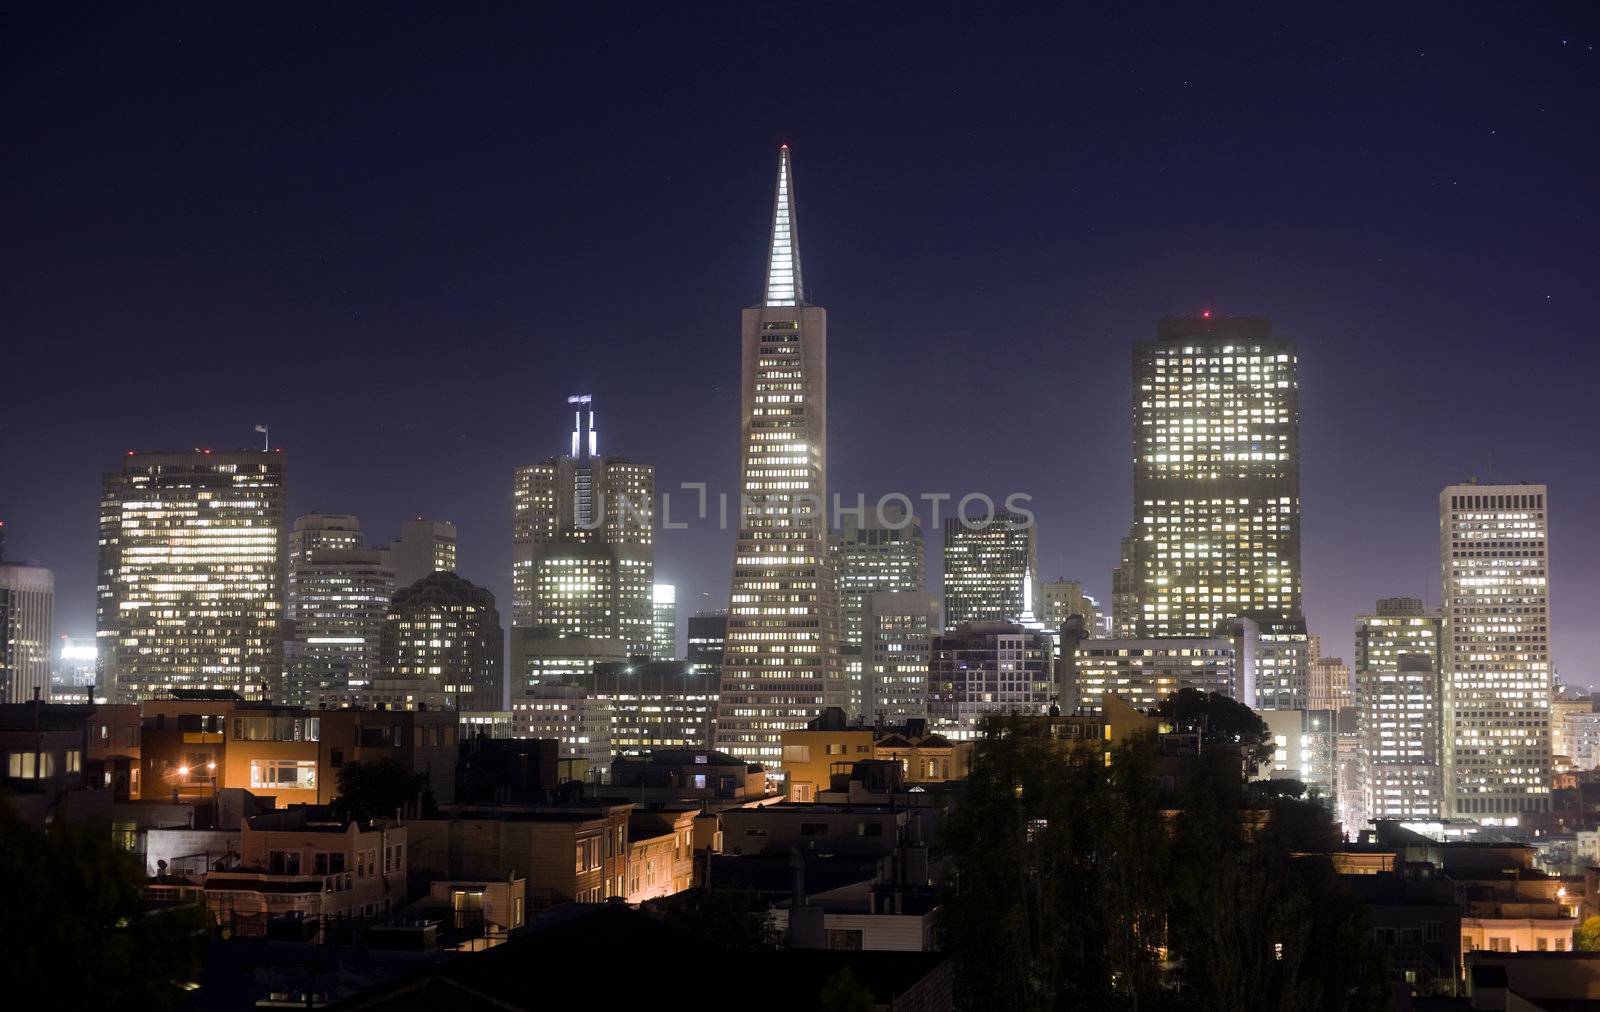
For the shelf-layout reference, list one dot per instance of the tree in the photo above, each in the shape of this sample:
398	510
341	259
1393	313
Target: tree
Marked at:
76	927
728	918
844	992
1220	720
1587	937
375	789
1055	902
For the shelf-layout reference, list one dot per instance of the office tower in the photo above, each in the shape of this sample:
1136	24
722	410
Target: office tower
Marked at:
76	669
338	600
879	558
423	548
1144	672
655	704
664	627
1496	637
898	631
1274	662
1329	684
583	542
708	634
572	715
191	574
1562	707
1580	732
1398	706
1216	476
1124	591
1059	600
781	663
445	630
990	569
982	668
540	659
27	603
884	557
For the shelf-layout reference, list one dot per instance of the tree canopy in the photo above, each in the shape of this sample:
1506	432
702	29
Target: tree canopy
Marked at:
77	929
375	788
1083	884
1220	720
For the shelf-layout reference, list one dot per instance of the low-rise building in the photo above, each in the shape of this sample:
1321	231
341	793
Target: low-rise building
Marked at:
831	744
422	741
660	853
306	865
850	829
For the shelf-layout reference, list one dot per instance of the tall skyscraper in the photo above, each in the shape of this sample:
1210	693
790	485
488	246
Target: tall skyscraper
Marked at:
991	569
1216	477
27	605
423	548
898	631
338	598
583	542
1398	705
1497	680
882	558
446	630
664	627
191	574
885	557
781	665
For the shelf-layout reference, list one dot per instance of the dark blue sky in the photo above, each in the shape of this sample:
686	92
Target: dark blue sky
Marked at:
402	236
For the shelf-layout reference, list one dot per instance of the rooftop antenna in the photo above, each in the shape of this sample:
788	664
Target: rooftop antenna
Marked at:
266	438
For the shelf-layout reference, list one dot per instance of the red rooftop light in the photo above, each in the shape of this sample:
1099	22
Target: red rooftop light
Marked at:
1205	314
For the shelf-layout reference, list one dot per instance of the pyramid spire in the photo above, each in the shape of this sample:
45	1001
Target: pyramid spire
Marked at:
783	260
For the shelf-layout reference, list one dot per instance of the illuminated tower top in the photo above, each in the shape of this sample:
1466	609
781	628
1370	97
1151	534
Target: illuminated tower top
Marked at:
783	261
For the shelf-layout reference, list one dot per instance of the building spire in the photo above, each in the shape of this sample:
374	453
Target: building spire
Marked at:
783	261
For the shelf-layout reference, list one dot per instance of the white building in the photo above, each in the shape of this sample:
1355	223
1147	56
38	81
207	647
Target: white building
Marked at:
1497	679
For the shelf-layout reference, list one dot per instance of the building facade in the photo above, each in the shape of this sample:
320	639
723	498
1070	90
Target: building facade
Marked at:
338	599
1216	485
664	624
583	542
708	635
424	547
655	704
191	574
445	630
781	661
1399	707
1493	550
991	569
1143	672
897	631
983	668
27	630
884	557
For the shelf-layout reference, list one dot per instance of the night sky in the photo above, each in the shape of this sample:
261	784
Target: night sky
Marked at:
402	236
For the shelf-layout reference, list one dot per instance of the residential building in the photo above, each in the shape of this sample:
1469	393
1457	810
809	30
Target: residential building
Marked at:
991	569
573	853
583	542
982	668
708	633
1143	672
688	775
1216	486
664	624
897	643
338	599
830	744
781	661
197	743
420	741
444	629
1496	658
191	574
309	866
27	605
424	547
660	853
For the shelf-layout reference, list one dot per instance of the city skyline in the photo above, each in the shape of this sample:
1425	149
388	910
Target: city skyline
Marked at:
1386	348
